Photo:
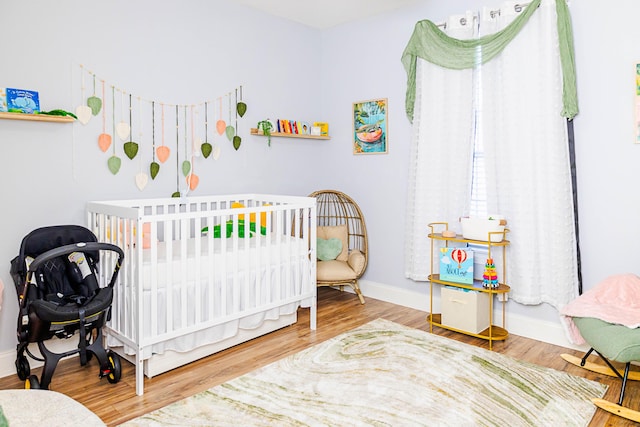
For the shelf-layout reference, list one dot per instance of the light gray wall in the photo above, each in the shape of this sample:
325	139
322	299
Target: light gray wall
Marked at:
186	52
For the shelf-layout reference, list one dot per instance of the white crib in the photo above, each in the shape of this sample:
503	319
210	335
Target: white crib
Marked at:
202	274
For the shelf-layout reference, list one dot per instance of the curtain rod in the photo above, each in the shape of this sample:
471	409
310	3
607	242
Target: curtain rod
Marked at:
463	21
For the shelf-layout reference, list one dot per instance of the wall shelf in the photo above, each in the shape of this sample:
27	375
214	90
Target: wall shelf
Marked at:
254	131
37	117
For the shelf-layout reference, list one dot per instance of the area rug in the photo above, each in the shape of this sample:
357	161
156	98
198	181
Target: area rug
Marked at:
385	374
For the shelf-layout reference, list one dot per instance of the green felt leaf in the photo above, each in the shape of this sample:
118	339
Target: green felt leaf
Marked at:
95	104
236	142
131	149
175	194
206	149
241	107
154	168
114	163
230	132
186	167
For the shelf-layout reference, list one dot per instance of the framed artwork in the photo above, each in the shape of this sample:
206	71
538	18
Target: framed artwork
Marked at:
370	127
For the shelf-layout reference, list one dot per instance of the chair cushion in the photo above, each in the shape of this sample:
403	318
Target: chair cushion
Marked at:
339	232
327	271
613	341
356	261
329	249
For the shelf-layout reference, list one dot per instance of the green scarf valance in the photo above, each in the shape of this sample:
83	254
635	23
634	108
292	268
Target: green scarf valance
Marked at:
431	44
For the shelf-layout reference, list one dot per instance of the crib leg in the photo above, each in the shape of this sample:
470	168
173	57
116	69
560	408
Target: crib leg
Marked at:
313	315
139	374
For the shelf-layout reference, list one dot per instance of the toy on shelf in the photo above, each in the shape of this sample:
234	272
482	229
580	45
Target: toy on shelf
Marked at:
490	276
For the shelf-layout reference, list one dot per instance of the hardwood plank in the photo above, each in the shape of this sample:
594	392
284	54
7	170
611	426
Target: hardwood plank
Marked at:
337	312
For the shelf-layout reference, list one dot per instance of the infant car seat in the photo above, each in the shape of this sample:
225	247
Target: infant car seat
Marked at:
56	278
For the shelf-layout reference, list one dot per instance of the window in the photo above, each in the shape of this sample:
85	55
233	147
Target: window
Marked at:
478	205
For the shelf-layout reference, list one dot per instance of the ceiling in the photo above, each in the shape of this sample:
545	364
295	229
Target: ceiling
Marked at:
325	13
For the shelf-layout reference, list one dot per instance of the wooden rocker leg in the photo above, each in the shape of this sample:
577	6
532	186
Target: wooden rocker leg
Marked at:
613	408
618	410
600	369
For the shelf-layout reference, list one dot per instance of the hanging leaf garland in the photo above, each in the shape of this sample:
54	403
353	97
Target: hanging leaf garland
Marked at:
122	129
130	147
236	139
98	103
205	147
241	107
196	141
230	131
163	151
220	124
192	178
154	167
83	113
104	139
186	164
216	152
177	192
141	177
94	102
192	181
114	161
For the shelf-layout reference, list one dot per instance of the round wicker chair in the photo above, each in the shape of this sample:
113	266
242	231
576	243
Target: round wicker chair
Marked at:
336	209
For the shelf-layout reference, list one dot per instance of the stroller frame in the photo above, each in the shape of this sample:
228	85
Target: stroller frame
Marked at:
41	318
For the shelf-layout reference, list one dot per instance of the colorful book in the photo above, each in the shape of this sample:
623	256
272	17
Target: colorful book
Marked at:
22	101
3	100
324	128
456	265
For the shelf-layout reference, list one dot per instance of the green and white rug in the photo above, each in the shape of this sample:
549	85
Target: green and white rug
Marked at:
385	374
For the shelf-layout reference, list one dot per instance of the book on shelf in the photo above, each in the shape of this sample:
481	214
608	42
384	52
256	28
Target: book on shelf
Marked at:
456	265
324	128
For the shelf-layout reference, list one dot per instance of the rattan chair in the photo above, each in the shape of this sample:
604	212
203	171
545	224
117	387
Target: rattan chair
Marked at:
335	210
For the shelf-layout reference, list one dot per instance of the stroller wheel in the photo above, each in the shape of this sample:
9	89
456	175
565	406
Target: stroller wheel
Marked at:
115	368
22	367
32	383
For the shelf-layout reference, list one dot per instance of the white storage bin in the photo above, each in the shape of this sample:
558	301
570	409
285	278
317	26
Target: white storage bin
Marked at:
464	309
479	228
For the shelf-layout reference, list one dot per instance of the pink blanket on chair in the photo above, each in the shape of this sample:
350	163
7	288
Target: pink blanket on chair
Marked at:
615	300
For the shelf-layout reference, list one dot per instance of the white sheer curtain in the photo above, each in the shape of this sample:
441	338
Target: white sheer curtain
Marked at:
441	150
526	155
527	158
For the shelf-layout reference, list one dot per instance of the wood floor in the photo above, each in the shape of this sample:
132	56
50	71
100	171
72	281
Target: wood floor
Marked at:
337	313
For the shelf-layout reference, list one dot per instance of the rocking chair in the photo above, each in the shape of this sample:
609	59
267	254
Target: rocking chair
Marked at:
608	338
341	227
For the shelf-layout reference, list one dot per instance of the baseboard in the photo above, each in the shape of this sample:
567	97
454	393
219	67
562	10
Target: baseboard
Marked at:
539	330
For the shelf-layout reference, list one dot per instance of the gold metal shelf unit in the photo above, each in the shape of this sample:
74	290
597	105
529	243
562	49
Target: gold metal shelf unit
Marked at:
493	332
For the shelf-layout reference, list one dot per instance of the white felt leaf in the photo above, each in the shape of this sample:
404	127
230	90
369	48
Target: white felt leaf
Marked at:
123	129
141	180
216	152
83	113
198	147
